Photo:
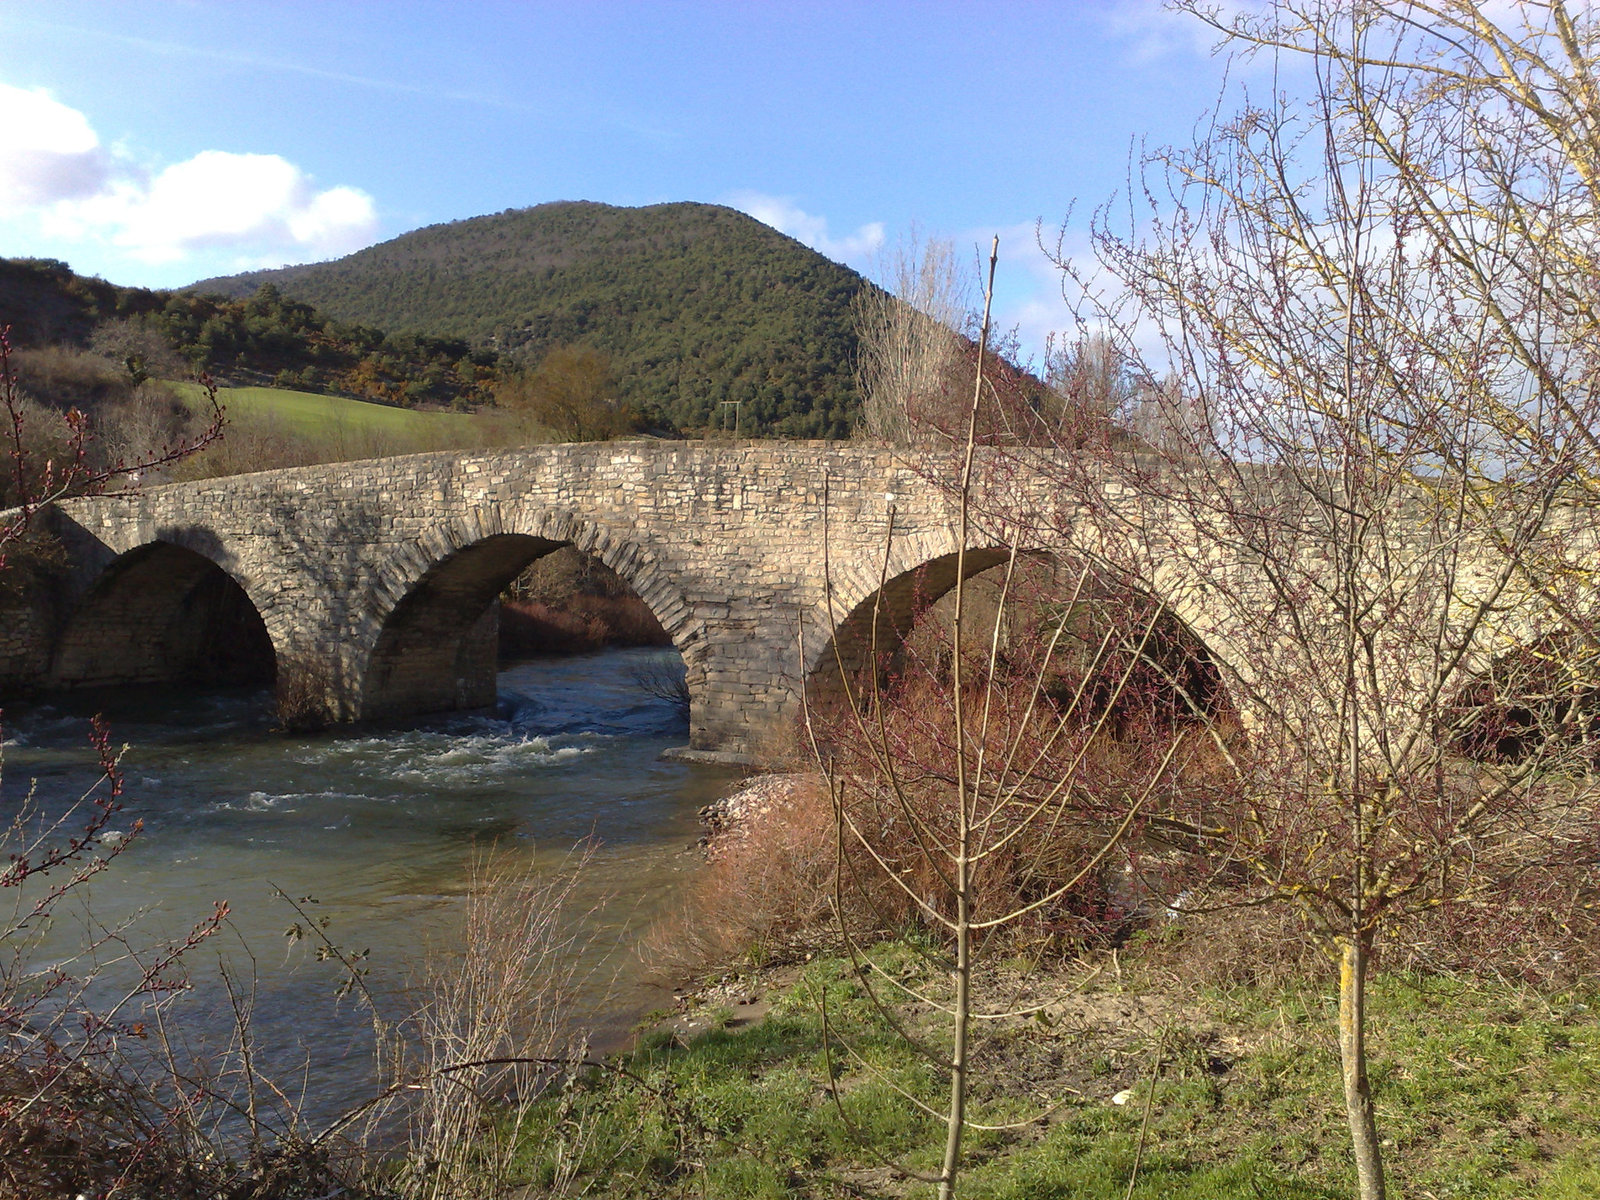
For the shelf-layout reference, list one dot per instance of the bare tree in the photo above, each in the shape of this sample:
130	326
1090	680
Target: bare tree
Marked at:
1375	492
973	793
1092	374
907	336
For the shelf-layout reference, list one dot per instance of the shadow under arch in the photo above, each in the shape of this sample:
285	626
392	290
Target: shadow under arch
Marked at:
1539	700
875	630
163	613
872	640
437	647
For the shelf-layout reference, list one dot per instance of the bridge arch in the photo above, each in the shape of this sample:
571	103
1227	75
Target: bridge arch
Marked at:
163	612
433	607
872	634
878	622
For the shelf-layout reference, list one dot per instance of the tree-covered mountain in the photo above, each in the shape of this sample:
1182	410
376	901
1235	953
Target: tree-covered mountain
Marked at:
695	305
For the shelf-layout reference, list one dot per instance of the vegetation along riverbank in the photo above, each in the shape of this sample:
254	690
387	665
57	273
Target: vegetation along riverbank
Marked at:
1188	1056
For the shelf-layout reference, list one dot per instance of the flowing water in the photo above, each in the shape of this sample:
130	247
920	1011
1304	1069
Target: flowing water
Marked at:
379	828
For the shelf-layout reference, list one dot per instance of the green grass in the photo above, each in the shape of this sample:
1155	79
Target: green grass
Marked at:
308	414
1482	1091
273	427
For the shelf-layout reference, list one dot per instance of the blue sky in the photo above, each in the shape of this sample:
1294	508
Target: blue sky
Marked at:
157	143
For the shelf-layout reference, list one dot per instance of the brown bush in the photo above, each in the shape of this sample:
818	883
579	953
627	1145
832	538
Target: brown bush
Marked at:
774	877
767	883
501	1005
46	442
572	394
578	624
300	701
1071	726
65	378
1050	845
566	572
139	425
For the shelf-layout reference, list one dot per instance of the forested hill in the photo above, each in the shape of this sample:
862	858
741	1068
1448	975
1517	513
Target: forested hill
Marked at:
695	305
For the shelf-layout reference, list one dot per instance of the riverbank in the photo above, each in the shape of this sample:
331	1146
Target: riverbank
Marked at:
1483	1090
1175	1062
568	602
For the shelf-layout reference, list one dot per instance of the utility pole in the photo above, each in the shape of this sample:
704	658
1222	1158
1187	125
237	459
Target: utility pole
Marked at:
736	404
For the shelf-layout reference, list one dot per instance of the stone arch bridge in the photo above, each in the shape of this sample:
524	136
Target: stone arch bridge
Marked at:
377	580
371	587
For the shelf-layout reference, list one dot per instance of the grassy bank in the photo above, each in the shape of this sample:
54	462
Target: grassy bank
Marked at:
1486	1090
307	413
272	427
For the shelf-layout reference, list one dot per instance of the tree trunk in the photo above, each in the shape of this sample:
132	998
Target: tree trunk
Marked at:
1355	952
957	1115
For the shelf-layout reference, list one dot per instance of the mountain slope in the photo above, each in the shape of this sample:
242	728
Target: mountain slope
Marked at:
262	339
695	304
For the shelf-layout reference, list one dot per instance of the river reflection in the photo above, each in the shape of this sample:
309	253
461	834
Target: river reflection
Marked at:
378	828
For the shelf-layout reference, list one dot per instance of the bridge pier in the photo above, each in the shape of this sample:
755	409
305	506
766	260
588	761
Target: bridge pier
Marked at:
745	688
455	671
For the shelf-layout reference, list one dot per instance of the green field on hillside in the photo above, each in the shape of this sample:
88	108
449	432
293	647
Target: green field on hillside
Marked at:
269	428
307	413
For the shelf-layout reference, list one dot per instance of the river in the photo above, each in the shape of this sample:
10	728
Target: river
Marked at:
379	828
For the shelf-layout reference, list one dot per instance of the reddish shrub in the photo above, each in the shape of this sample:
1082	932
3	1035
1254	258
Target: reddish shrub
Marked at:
767	881
580	623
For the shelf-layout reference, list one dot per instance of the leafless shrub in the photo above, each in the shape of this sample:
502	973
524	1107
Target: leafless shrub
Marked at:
665	681
66	378
765	889
1091	373
136	428
300	696
497	1020
140	348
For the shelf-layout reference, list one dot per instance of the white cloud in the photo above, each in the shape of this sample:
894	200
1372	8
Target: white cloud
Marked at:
259	207
786	217
1153	32
51	152
256	204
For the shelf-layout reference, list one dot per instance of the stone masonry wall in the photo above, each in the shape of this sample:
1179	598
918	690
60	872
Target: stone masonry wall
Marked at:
725	544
